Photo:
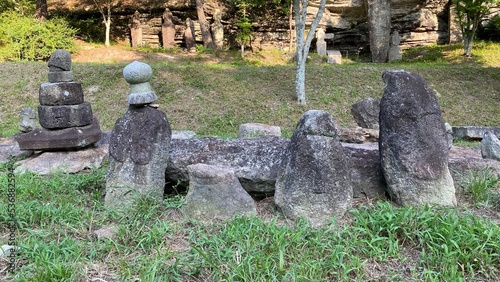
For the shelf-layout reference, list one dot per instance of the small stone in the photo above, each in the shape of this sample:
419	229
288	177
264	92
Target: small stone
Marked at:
60	61
28	121
183	134
250	130
366	113
6	250
106	232
490	147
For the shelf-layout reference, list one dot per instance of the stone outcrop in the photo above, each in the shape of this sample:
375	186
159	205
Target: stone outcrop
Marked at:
314	180
139	145
490	146
413	142
215	193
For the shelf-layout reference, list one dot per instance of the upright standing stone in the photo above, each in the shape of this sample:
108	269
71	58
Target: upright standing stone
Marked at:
413	142
139	144
379	24
189	39
136	30
168	29
218	30
394	49
366	113
315	176
490	146
320	42
27	120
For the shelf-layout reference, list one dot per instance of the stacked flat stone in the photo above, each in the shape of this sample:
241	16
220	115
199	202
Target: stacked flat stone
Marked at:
66	119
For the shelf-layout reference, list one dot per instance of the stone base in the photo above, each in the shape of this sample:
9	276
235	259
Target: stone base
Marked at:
49	140
334	57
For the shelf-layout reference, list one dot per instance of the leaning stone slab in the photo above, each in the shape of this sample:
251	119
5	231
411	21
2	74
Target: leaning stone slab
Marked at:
70	161
62	93
474	132
250	130
314	180
74	137
56	117
215	193
413	142
138	157
490	147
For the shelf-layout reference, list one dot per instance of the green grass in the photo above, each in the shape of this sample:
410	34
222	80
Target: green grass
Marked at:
215	98
154	242
57	215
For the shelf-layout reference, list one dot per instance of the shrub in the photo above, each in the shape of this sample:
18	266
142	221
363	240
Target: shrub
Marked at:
24	38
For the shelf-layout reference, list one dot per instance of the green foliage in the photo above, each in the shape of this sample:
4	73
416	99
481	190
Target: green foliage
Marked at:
89	29
23	7
23	38
481	187
491	30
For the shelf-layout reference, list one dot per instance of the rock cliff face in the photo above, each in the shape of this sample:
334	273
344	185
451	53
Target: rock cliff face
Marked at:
419	22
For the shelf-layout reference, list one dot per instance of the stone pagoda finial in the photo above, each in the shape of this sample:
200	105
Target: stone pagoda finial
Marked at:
60	66
138	75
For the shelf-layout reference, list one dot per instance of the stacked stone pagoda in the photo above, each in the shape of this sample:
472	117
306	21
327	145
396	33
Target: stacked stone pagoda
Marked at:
66	119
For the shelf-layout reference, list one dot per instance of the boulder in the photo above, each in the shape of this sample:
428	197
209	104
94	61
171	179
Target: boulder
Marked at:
490	147
67	138
366	112
413	142
10	148
138	156
250	130
314	180
215	193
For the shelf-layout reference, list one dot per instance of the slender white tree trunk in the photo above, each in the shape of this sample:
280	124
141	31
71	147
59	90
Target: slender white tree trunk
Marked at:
300	11
107	23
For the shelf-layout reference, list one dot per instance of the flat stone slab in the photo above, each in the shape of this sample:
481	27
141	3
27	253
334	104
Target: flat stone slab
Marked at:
334	57
474	132
10	148
251	130
74	137
55	117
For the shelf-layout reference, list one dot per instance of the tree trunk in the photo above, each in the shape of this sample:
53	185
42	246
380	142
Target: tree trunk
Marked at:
300	10
41	12
108	30
205	27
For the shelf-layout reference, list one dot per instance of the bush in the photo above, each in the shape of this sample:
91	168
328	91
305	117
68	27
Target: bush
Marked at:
24	38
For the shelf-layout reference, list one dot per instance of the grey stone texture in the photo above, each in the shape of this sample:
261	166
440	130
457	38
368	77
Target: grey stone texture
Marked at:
62	93
255	160
27	120
138	75
168	29
490	146
314	180
59	117
413	142
250	130
73	137
215	193
394	49
320	42
60	60
474	132
379	25
10	148
138	156
334	57
60	76
218	30
366	113
189	38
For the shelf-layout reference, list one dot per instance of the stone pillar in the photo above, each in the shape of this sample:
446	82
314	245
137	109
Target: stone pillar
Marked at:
454	27
379	25
413	143
139	144
168	30
189	39
218	30
320	42
136	30
394	49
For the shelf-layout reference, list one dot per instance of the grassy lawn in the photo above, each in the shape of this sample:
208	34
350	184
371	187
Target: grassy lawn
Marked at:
376	241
